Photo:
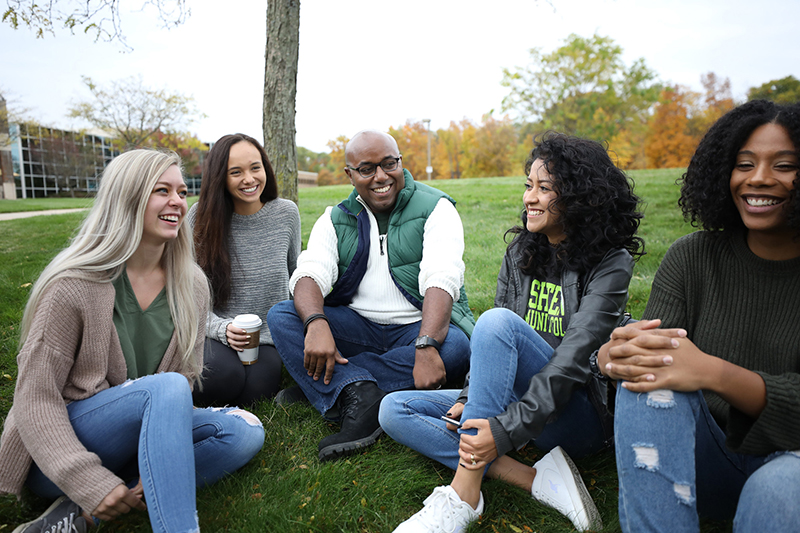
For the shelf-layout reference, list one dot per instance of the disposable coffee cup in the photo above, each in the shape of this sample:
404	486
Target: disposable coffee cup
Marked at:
252	325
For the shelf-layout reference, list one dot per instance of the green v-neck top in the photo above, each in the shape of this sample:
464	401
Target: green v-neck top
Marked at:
143	334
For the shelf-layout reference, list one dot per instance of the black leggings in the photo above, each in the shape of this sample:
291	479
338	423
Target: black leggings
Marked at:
226	381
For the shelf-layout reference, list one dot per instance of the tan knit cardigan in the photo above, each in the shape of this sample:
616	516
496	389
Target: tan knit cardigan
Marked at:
72	353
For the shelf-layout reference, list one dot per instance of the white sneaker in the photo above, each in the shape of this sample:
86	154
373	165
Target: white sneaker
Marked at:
444	512
558	484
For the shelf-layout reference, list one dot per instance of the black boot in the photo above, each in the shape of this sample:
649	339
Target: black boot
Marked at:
358	403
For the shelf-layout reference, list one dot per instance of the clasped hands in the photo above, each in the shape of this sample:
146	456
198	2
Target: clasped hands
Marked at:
647	358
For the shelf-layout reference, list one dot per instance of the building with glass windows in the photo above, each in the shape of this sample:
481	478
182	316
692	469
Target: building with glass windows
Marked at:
53	162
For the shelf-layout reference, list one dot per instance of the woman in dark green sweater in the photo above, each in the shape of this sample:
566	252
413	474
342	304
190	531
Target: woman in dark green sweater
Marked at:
709	403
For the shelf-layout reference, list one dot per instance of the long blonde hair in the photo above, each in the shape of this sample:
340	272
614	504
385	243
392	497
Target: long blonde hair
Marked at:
110	235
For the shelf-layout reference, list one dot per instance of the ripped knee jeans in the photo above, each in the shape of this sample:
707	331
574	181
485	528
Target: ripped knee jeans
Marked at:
673	466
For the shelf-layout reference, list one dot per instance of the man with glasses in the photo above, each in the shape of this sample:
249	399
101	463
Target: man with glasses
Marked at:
379	301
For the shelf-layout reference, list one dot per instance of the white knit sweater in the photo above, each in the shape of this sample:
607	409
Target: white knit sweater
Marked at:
378	299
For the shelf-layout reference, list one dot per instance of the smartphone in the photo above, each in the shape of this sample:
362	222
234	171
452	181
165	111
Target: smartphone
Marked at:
456	423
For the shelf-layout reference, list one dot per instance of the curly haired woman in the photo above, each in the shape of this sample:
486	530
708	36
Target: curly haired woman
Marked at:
561	290
709	407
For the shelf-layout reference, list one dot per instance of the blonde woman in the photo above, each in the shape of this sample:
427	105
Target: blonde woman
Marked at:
111	345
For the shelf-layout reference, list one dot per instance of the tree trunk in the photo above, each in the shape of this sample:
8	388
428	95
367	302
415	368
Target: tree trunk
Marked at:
280	89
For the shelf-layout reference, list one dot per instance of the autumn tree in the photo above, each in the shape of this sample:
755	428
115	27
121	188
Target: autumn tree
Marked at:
717	101
280	90
669	143
489	148
783	91
412	140
186	145
448	151
132	112
582	88
98	17
334	173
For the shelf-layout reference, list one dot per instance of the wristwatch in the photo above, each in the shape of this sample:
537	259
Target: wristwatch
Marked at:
423	341
593	368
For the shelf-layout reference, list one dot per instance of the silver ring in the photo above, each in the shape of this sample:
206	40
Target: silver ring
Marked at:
472	458
439	387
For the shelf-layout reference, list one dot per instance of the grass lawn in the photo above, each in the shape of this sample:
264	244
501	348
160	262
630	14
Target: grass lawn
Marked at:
285	488
41	204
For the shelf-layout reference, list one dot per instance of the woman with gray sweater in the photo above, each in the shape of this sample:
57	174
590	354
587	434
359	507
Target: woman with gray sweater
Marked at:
247	242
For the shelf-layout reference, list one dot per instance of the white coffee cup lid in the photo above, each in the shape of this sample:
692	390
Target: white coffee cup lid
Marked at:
247	321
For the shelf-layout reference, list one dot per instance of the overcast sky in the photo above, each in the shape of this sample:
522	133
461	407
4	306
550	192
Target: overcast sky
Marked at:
436	59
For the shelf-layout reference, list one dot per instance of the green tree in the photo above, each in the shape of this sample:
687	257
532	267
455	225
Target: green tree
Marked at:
582	88
132	112
98	17
783	91
311	161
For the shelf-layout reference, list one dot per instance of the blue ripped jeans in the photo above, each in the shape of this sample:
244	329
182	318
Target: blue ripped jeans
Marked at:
673	466
506	354
148	428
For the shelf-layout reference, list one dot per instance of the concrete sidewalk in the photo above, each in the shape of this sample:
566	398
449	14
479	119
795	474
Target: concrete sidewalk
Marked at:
26	214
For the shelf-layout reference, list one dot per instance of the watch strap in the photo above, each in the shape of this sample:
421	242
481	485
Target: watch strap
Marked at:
423	341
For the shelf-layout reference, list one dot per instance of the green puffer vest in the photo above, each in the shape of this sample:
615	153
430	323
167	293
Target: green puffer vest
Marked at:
406	230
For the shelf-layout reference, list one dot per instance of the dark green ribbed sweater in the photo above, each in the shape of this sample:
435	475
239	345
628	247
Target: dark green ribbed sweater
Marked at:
743	309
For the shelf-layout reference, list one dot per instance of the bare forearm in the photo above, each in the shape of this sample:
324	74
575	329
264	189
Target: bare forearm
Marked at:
308	299
436	310
741	388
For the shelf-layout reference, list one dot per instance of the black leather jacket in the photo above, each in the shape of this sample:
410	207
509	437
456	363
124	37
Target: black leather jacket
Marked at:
594	305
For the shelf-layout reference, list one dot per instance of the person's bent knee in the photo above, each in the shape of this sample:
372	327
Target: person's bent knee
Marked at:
252	434
163	383
768	501
281	315
391	411
494	322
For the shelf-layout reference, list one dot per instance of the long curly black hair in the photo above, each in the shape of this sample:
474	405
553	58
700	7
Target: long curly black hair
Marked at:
706	198
595	204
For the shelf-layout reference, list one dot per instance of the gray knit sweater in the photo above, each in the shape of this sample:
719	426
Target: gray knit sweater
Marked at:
264	249
743	309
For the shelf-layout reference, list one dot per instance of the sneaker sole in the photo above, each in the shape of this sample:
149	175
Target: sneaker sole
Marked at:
50	509
343	449
592	514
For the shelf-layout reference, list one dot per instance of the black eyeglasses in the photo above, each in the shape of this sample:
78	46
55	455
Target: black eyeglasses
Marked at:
367	170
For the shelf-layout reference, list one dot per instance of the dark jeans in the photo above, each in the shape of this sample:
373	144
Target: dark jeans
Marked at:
383	354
